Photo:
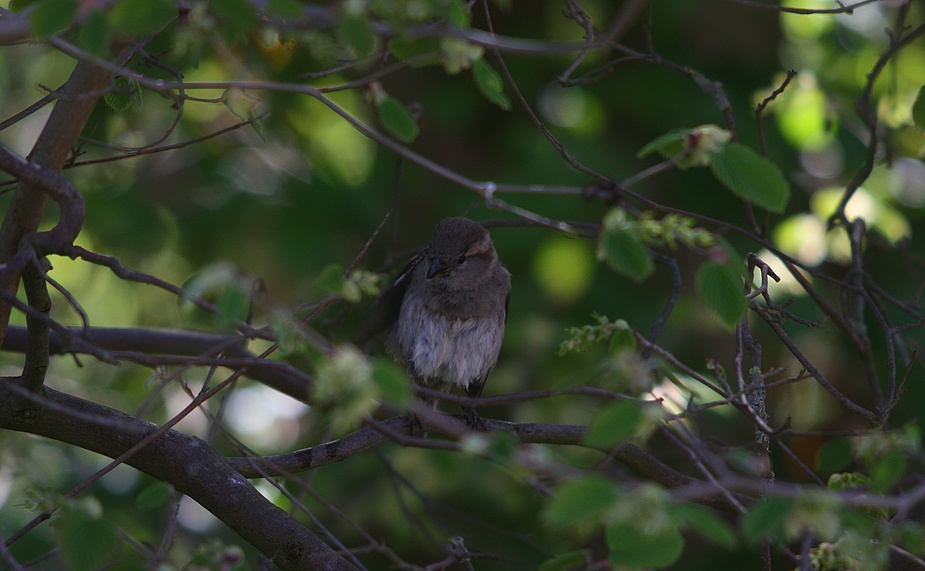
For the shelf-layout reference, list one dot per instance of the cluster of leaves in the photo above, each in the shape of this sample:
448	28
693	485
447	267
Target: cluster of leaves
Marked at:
350	385
642	525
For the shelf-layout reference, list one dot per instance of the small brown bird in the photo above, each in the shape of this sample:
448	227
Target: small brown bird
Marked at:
449	308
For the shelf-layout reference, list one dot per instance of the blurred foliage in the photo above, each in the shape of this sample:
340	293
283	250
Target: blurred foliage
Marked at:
255	178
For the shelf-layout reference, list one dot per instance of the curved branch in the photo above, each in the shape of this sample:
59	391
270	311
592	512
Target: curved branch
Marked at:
186	462
526	433
128	343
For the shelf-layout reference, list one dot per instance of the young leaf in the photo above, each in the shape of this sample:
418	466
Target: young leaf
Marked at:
624	251
397	120
667	145
750	176
490	84
331	279
630	548
720	286
918	109
580	501
614	424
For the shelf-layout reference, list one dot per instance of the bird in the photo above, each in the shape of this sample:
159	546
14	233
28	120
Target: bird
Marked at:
446	312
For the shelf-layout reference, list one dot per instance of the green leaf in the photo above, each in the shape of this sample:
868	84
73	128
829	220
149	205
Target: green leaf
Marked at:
141	17
490	83
766	519
125	92
407	48
720	286
835	455
918	109
621	339
237	18
630	548
704	522
624	251
331	279
357	32
581	501
752	177
284	8
52	16
87	543
567	561
614	425
392	382
95	34
397	120
233	306
457	14
885	472
153	496
667	145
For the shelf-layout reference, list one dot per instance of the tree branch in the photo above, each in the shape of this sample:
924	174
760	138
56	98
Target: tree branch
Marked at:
189	464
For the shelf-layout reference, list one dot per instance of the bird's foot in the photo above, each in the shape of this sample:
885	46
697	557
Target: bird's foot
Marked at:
415	428
473	420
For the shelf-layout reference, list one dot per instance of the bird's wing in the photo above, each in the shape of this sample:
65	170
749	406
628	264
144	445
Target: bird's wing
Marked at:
386	309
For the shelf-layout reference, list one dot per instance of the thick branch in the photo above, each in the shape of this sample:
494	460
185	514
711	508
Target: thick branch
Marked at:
172	342
28	203
186	462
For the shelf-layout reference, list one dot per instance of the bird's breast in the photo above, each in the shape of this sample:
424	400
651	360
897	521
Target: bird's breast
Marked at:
448	350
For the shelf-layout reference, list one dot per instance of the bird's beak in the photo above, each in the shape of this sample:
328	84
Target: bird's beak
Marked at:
437	266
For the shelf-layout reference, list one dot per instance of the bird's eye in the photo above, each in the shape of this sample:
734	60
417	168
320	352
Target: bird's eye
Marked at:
461	259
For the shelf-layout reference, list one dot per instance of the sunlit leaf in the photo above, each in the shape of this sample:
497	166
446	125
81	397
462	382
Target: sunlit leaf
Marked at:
51	16
752	177
720	286
397	120
624	251
490	83
580	501
631	548
615	424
